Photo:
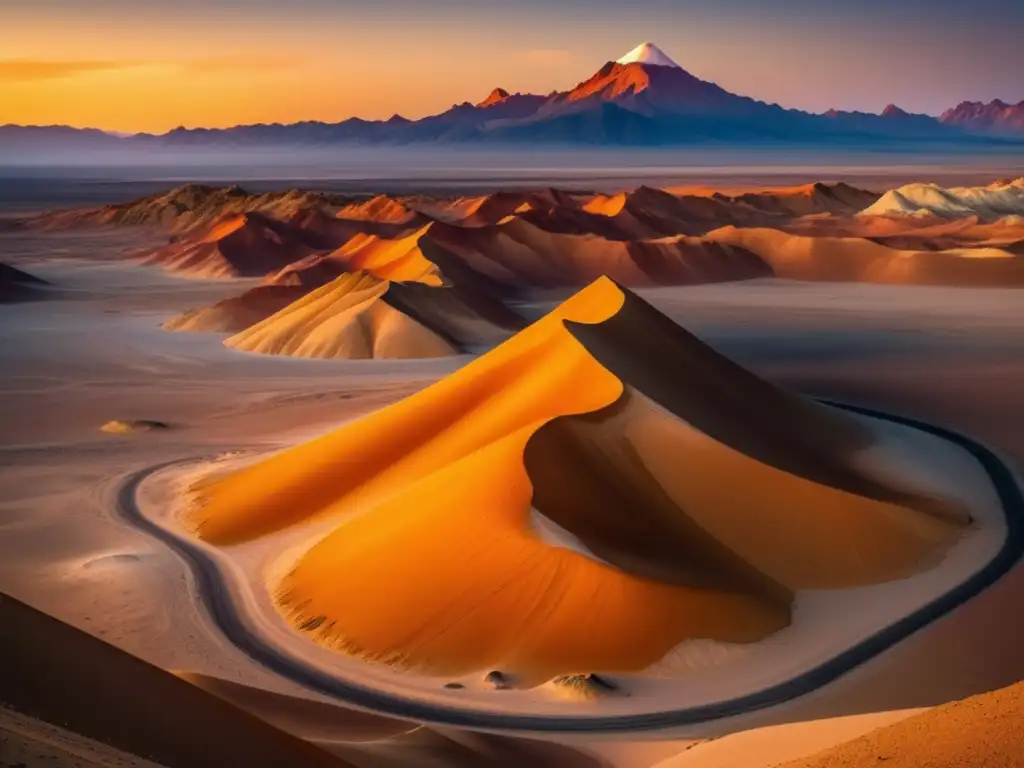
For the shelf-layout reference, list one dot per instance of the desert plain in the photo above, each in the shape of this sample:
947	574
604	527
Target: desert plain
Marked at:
520	476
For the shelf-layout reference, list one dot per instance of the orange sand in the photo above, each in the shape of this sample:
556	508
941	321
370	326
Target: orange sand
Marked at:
442	572
399	259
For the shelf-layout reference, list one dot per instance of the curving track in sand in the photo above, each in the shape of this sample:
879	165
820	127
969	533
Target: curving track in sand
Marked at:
230	620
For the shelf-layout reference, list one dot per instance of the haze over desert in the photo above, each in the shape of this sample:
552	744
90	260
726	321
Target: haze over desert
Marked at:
541	399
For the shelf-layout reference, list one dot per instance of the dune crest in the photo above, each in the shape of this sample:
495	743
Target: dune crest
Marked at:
381	208
397	259
669	463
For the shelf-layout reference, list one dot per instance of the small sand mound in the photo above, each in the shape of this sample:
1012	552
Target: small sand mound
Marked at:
123	427
108	561
499	681
584	687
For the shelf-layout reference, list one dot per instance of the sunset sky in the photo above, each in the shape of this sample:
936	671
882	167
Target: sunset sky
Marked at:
150	66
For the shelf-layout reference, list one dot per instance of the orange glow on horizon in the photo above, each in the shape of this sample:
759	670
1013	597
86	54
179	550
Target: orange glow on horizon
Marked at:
213	65
152	78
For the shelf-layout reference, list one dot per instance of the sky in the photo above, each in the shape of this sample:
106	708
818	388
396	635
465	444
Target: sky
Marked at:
133	66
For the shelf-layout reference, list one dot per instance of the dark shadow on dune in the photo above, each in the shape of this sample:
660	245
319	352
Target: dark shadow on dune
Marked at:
600	490
737	408
56	673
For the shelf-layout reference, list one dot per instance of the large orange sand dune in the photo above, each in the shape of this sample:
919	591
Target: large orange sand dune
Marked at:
704	496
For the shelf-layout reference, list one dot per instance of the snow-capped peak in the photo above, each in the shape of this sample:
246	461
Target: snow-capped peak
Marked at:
648	53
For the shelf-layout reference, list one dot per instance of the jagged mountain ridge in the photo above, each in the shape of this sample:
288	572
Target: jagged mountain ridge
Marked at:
642	98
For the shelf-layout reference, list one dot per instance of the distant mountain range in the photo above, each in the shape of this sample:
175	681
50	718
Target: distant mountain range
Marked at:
644	98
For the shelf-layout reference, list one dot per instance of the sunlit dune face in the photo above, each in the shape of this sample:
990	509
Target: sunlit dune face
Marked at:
479	590
223	228
606	205
399	259
432	561
381	208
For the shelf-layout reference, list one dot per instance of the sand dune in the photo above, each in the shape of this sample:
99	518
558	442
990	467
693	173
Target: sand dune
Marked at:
311	719
464	315
399	259
1004	198
382	208
519	254
647	213
238	312
346	318
96	690
808	199
503	243
246	245
492	208
837	199
188	207
800	257
452	748
16	285
980	731
382	742
703	496
327	232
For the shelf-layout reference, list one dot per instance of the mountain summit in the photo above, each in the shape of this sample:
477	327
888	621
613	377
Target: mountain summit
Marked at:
648	53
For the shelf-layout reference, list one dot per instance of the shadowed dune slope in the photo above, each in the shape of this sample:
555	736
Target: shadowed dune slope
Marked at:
463	316
1006	233
809	199
980	732
835	199
519	254
310	719
450	748
703	495
381	742
238	312
347	318
246	245
16	285
327	232
852	259
492	208
649	212
59	674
